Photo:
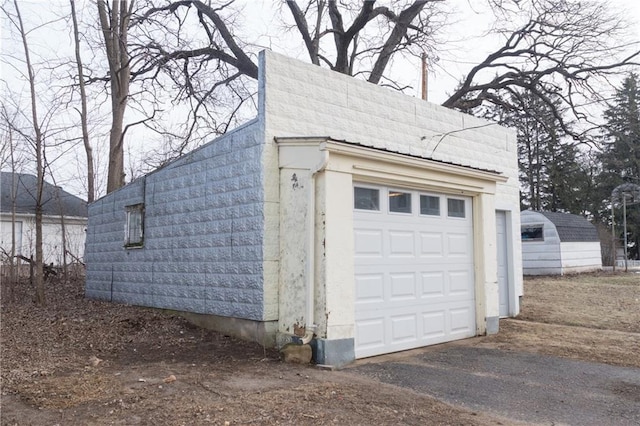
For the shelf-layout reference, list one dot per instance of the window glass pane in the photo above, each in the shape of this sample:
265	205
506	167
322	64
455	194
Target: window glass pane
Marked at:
135	226
430	205
399	202
532	233
366	199
455	207
134	229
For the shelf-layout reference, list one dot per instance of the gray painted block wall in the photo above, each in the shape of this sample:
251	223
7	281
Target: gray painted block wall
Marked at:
203	233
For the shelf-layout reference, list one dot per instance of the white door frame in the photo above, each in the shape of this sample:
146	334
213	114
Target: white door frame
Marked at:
509	259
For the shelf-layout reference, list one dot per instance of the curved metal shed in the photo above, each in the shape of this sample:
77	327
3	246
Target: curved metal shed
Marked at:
556	243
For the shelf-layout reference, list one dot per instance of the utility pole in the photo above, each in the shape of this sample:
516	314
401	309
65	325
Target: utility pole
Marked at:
425	77
613	235
624	225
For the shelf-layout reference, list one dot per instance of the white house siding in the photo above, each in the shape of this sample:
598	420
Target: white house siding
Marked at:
203	234
52	237
580	257
541	257
299	99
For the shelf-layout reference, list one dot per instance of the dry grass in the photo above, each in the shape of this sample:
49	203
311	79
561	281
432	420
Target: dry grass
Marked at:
603	301
590	317
586	344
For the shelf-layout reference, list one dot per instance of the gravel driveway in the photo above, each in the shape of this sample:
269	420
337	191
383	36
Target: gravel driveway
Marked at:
520	386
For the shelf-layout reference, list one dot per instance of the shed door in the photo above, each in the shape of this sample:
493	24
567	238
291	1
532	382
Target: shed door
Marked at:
413	269
503	265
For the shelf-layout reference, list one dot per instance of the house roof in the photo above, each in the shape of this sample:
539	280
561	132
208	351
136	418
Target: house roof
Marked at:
571	227
26	185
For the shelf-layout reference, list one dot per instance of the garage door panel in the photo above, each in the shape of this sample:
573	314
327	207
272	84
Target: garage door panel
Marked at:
401	243
370	288
403	328
414	278
432	284
431	244
459	245
371	335
460	321
403	286
434	324
368	243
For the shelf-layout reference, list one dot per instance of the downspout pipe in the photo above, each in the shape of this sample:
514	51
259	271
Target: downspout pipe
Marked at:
311	325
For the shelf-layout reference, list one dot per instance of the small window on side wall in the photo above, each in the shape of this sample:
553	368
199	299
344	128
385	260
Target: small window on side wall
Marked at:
532	233
134	226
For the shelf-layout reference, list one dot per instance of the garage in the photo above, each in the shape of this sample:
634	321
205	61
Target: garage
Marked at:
413	267
275	251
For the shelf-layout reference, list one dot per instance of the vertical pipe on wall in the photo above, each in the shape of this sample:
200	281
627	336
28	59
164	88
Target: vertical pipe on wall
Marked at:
311	244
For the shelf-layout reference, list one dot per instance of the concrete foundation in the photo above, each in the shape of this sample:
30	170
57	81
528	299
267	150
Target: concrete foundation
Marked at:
262	332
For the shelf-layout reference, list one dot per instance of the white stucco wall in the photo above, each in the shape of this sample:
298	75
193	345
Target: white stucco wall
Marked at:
75	230
299	99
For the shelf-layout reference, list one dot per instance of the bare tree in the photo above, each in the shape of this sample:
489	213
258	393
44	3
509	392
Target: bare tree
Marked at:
16	21
552	48
402	24
114	23
8	144
91	191
562	49
363	46
197	48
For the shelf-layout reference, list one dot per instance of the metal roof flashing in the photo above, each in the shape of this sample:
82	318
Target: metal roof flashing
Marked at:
347	147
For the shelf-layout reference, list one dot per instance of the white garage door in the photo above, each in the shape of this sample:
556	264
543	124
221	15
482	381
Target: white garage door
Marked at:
413	269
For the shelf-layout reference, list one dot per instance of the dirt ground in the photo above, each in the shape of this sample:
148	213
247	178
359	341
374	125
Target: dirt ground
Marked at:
83	362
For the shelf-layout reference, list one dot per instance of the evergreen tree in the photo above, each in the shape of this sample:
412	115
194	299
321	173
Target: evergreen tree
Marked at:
620	156
551	173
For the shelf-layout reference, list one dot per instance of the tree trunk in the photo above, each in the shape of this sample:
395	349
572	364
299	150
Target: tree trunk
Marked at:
14	189
39	276
114	23
63	232
91	192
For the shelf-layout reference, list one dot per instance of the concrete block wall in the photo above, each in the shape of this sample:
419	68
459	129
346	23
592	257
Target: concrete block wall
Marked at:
301	99
203	234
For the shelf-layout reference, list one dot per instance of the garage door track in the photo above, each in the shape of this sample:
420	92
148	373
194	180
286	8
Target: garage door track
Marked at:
520	386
